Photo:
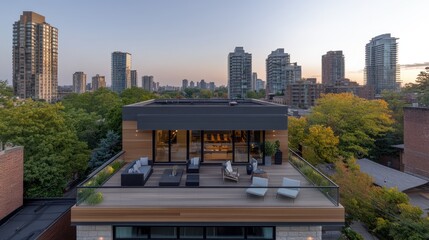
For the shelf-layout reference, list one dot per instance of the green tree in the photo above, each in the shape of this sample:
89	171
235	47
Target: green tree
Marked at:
356	121
135	94
107	148
221	92
355	191
89	127
421	87
205	94
322	145
53	155
6	93
296	131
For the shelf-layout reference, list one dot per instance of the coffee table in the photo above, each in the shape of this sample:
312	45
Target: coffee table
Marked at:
169	180
259	173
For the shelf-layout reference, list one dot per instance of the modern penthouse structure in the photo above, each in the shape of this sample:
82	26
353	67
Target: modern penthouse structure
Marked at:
147	83
35	58
79	82
121	71
280	72
239	73
381	63
133	78
98	82
332	67
201	204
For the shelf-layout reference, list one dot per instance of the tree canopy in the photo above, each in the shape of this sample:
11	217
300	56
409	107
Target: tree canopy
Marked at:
421	87
53	155
356	121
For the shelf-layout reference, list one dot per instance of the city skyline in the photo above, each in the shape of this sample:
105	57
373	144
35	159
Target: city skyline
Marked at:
191	40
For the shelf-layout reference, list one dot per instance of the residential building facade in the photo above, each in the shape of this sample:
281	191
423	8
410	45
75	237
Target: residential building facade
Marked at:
35	58
280	71
381	63
259	84
98	82
332	67
134	78
303	94
79	82
147	83
239	73
347	86
121	71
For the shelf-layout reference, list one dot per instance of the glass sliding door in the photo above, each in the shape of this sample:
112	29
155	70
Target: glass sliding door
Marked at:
256	144
240	147
162	145
195	144
178	141
217	146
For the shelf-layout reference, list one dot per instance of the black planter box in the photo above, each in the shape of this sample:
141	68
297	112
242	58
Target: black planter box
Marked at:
278	157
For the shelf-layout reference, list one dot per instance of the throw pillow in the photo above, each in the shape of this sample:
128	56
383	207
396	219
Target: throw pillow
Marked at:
138	164
197	161
144	161
229	166
131	170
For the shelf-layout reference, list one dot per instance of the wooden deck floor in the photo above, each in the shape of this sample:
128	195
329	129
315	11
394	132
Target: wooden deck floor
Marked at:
226	194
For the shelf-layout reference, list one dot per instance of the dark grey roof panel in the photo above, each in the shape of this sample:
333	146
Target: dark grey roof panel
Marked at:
389	177
211	122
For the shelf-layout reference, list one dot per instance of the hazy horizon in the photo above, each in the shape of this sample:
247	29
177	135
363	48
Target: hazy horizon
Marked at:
174	40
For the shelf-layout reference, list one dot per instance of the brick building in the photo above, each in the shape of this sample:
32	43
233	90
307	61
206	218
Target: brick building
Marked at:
416	141
11	180
347	86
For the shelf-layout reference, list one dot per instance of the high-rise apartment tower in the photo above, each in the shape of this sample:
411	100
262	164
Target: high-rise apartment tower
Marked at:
280	72
381	63
133	78
121	71
147	83
332	67
79	82
239	73
98	82
35	58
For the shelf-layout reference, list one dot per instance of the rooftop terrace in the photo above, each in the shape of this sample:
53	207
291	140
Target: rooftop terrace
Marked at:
214	198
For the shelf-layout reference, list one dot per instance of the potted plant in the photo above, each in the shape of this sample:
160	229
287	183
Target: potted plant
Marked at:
270	150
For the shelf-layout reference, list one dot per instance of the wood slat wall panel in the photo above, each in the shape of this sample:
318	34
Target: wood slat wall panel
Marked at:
157	215
282	136
135	144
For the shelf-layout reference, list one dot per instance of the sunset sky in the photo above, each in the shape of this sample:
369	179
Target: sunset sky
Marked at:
191	39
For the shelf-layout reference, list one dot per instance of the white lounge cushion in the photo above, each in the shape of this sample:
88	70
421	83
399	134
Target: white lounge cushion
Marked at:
258	182
196	161
289	190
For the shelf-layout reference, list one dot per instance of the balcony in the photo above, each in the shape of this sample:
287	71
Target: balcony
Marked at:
101	196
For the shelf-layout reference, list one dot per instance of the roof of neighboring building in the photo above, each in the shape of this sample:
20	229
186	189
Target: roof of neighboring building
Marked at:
389	177
34	218
207	114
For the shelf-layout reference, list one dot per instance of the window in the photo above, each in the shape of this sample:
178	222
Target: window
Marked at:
218	233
